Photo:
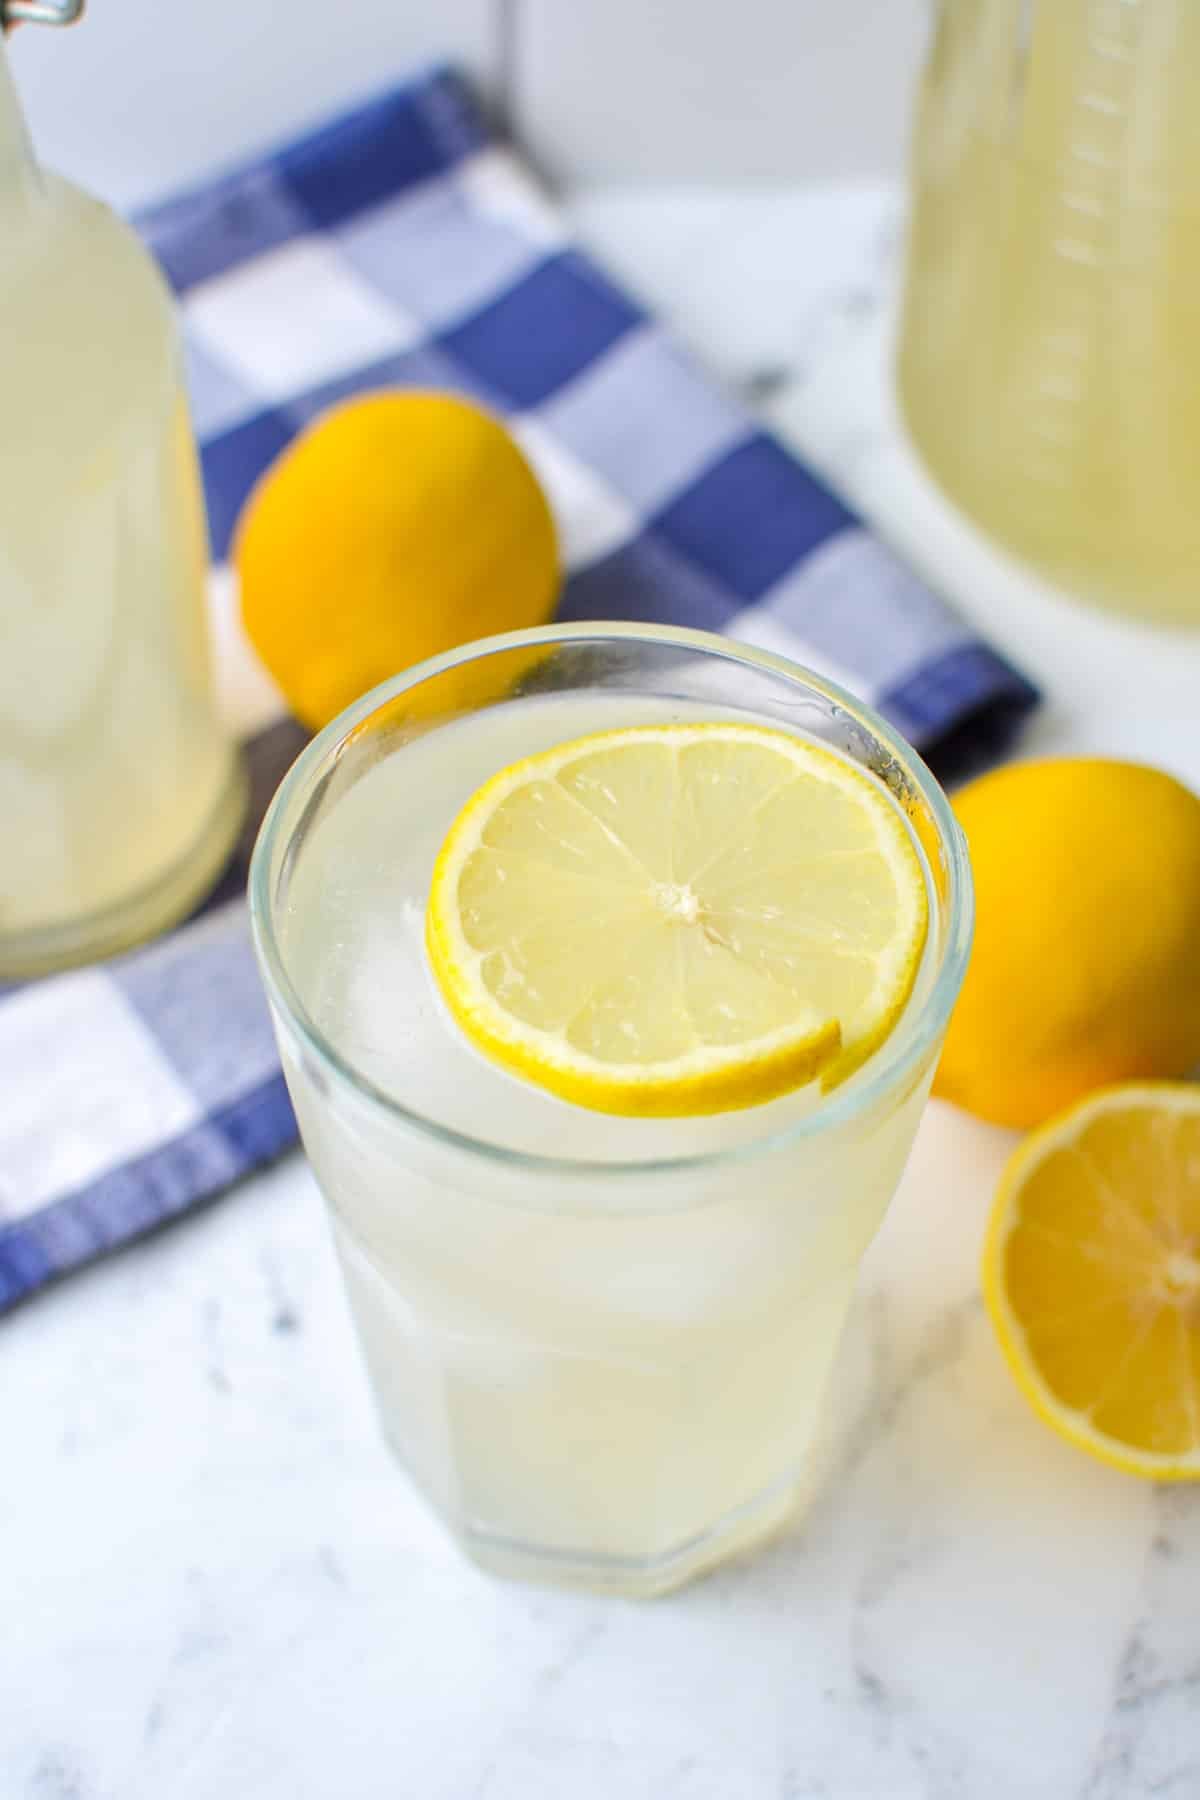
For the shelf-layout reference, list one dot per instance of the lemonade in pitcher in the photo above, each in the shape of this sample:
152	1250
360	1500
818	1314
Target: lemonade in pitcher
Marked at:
609	1008
1049	365
120	792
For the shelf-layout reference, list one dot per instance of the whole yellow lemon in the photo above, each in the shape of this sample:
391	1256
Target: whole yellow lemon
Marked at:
397	526
1086	966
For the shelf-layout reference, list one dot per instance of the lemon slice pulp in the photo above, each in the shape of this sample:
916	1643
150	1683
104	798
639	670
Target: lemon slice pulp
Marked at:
1092	1276
677	919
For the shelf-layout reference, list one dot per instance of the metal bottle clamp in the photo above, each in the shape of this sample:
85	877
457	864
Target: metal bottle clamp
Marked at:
39	12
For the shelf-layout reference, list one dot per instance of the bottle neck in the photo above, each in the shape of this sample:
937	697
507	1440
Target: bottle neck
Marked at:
17	167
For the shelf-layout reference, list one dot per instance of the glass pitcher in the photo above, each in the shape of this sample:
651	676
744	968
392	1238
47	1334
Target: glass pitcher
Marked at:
1049	362
120	790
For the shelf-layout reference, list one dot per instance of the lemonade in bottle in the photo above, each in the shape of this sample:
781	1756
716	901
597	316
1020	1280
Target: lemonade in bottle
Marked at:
1049	365
120	790
609	966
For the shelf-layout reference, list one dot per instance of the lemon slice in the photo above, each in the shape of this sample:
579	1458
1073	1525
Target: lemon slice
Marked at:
677	919
1092	1276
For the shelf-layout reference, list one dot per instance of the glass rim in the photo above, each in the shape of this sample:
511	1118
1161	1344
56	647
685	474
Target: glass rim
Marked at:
901	1053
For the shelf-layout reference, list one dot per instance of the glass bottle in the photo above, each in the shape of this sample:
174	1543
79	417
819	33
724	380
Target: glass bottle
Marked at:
120	790
1049	365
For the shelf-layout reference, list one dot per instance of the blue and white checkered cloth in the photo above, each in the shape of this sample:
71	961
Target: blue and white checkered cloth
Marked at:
402	246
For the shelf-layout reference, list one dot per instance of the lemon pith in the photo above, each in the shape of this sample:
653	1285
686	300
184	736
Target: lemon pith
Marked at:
677	919
1091	1273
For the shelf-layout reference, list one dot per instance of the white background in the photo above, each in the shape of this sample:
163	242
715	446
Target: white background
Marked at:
144	94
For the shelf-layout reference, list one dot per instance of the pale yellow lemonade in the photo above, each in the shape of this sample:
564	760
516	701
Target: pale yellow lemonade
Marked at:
1049	365
119	786
599	1373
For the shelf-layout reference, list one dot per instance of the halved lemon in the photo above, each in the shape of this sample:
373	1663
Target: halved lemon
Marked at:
1091	1273
677	919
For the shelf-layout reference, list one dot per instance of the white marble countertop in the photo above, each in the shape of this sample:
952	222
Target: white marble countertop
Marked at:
213	1582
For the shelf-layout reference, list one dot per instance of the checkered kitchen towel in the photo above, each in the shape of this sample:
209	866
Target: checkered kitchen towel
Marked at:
401	246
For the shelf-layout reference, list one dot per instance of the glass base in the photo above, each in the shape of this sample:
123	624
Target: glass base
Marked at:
639	1577
169	898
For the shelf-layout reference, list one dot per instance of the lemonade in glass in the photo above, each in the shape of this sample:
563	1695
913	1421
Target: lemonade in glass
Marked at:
607	1075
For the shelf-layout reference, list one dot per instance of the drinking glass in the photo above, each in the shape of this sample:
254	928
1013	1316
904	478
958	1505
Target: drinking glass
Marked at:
598	1346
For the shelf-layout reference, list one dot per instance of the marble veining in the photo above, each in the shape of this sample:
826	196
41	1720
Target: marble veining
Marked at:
214	1583
1151	1740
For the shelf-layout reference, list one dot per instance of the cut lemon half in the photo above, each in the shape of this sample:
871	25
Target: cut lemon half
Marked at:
1091	1273
677	919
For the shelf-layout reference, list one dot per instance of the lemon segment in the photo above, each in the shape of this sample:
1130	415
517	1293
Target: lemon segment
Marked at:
679	919
1091	1273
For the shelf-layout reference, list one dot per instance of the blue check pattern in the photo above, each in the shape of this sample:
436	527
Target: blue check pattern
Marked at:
401	245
